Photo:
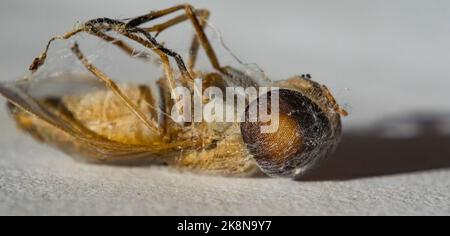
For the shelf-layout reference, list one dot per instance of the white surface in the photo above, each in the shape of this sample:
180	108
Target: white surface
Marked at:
382	58
39	180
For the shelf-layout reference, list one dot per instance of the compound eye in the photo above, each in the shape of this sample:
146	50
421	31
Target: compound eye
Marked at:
303	134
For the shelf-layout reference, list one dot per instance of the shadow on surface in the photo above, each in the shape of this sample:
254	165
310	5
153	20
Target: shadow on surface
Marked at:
371	153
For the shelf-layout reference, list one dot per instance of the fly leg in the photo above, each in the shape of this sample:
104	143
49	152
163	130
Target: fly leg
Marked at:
192	15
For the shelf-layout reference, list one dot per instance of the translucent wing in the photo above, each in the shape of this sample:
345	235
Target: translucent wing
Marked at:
35	110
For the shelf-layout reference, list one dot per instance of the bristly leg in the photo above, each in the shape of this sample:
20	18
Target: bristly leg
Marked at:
127	49
98	27
39	61
191	14
203	15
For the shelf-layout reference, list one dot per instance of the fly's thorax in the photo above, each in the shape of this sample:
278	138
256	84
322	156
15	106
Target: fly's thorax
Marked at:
223	151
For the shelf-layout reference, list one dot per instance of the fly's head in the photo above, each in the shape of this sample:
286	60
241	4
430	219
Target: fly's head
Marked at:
309	127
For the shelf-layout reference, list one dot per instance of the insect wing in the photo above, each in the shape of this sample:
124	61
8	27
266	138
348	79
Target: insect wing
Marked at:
89	144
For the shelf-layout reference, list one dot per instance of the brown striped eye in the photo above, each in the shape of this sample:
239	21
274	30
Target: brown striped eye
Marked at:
304	135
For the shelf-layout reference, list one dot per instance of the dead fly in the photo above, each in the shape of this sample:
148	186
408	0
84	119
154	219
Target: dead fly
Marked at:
126	123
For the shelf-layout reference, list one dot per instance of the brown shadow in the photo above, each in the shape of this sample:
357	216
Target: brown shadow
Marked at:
370	154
